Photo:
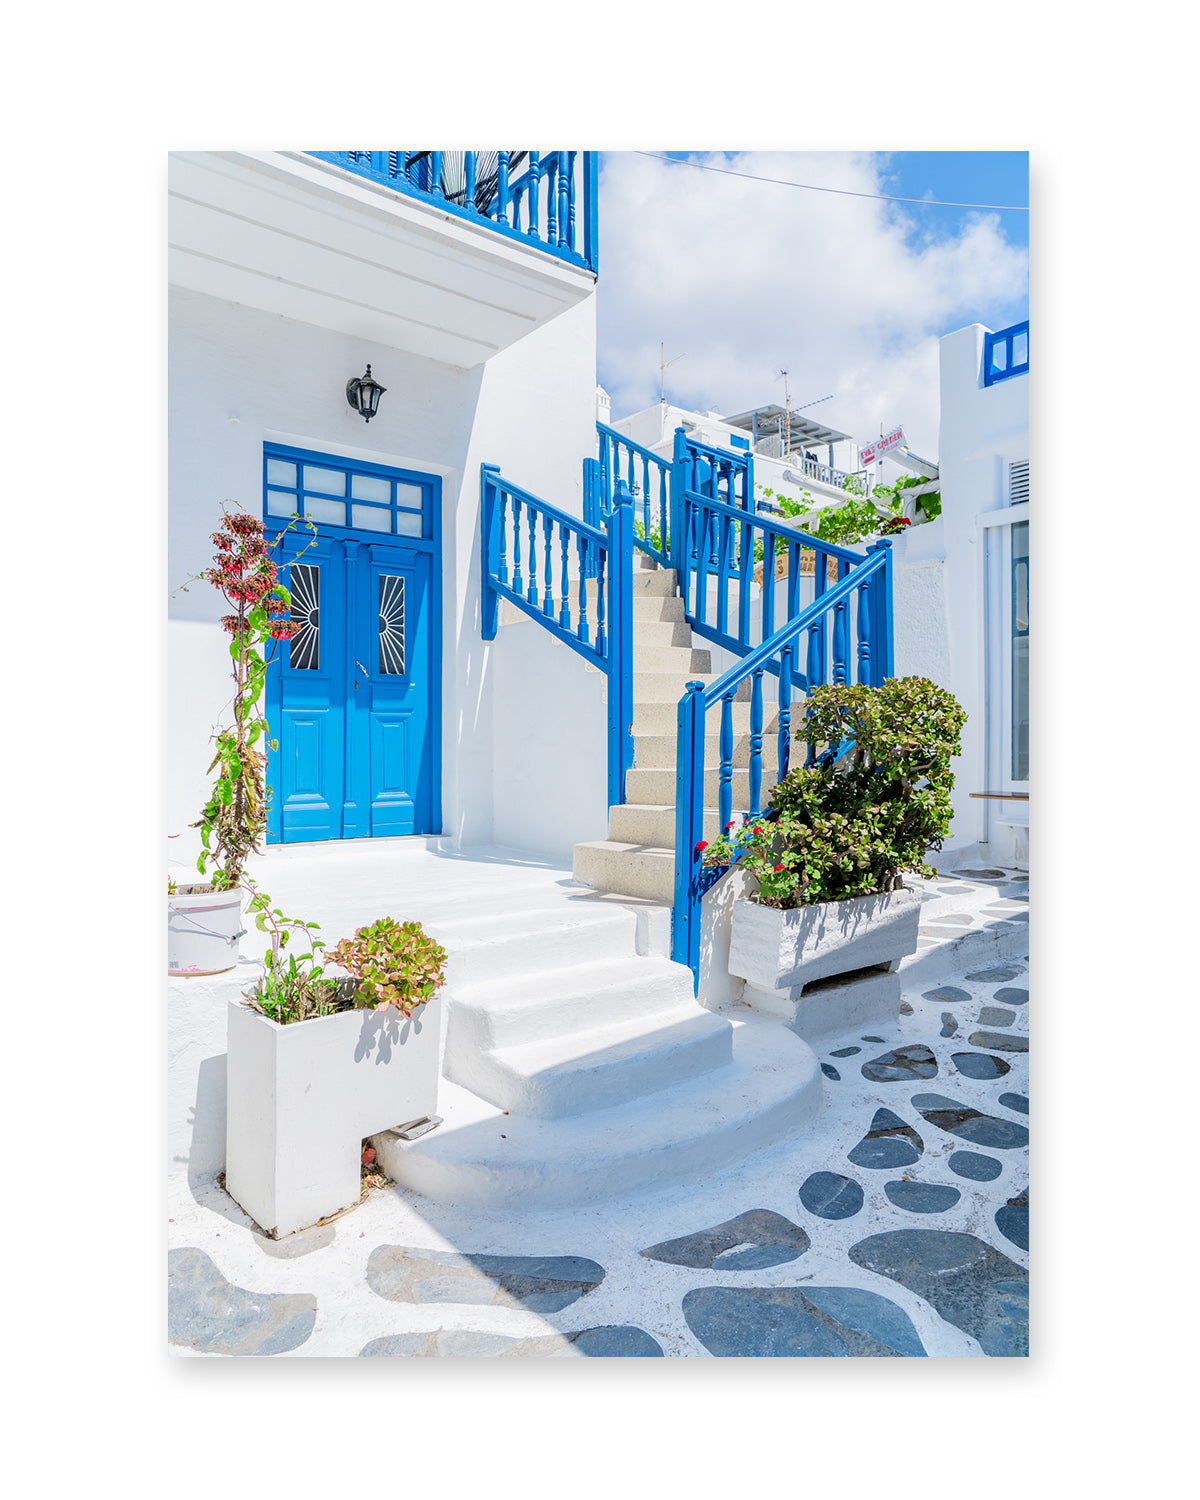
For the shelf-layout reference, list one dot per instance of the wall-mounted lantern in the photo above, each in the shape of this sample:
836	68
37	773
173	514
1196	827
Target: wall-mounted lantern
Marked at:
363	395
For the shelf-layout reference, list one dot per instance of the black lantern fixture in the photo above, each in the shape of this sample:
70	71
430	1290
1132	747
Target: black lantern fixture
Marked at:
363	395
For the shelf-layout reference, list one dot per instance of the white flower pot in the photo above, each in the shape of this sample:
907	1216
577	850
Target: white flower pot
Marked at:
783	950
203	931
301	1098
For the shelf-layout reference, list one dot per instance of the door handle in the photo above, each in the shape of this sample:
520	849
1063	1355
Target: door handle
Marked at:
363	670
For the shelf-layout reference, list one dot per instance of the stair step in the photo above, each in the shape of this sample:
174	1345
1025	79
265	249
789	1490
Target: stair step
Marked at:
512	944
668	687
674	659
657	751
574	1073
659	717
658	785
526	1008
649	608
662	632
652	825
769	1091
631	869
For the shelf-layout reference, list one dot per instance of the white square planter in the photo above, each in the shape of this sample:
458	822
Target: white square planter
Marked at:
301	1098
785	950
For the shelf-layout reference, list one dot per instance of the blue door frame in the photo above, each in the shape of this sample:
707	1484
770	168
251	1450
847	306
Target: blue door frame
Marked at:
354	700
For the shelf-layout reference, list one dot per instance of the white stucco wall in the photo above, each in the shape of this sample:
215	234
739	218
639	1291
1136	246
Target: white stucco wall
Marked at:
239	377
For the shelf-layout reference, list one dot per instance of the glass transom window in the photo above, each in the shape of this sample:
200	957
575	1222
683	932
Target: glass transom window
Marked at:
333	492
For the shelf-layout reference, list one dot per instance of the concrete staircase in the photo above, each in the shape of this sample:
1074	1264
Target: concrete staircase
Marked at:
638	857
578	1064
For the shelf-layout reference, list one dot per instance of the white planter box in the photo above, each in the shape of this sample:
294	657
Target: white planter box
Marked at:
301	1099
784	950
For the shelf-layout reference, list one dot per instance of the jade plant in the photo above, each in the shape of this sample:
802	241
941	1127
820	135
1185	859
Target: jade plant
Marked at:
874	803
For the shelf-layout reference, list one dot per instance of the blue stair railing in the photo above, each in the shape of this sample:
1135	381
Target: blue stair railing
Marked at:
576	580
828	656
648	477
547	198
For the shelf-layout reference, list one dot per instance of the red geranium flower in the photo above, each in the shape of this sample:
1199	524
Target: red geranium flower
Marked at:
703	844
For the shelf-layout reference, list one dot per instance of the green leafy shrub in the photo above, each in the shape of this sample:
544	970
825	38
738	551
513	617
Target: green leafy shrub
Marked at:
929	505
396	963
852	826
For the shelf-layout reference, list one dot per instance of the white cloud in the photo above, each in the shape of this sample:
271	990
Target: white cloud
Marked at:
850	295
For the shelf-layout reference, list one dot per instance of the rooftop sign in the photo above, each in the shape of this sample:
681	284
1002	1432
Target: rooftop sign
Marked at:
893	440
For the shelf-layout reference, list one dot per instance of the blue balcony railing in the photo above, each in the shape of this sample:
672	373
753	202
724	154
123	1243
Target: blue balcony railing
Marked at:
543	198
1006	353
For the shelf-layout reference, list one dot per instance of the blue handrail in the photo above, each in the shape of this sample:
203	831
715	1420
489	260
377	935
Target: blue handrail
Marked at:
871	578
1006	353
531	566
648	476
552	202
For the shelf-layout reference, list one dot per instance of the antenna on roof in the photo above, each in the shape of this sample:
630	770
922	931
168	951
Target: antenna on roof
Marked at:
787	415
663	366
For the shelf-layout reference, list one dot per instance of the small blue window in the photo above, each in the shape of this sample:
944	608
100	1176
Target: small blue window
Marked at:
342	493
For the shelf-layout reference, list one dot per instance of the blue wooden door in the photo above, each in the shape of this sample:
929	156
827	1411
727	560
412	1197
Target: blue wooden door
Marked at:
353	699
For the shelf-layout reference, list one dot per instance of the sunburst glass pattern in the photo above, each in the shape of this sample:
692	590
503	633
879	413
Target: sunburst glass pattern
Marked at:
391	625
306	609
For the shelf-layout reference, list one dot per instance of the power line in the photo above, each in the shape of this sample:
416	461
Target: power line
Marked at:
1015	208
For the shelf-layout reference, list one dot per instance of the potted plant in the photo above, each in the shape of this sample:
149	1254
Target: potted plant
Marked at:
204	920
317	1060
827	898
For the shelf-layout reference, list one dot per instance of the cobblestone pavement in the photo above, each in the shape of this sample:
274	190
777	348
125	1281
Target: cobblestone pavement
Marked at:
897	1226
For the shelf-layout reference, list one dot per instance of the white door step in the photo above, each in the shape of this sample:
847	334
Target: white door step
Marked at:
533	1006
582	1071
479	1156
527	941
632	869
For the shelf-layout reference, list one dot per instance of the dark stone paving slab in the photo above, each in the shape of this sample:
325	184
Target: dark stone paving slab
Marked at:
980	1065
829	1195
750	1242
949	1023
995	975
1014	1101
538	1283
965	1281
901	1065
970	1124
996	1015
787	1323
204	1311
949	994
1013	1220
955	919
977	1167
988	877
922	1197
1003	1041
872	1039
888	1143
612	1342
845	1052
905	1008
1012	997
831	1072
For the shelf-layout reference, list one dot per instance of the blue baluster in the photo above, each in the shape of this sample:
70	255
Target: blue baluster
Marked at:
552	199
435	174
548	591
841	636
864	629
603	561
725	778
533	177
518	582
785	711
469	205
489	599
582	547
531	593
502	572
564	614
571	199
689	822
502	188
664	534
756	738
620	628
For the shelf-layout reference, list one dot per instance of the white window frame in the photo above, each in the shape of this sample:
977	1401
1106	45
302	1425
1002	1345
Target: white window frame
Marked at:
995	530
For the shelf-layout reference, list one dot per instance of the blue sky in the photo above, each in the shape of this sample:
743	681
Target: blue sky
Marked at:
849	292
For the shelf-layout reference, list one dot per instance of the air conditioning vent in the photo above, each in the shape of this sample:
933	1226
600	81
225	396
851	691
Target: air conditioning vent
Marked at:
1018	483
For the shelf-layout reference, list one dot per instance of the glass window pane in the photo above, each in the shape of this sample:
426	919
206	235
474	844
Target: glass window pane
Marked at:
371	517
369	487
304	580
408	525
331	511
279	471
281	505
412	495
1020	651
391	625
328	481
